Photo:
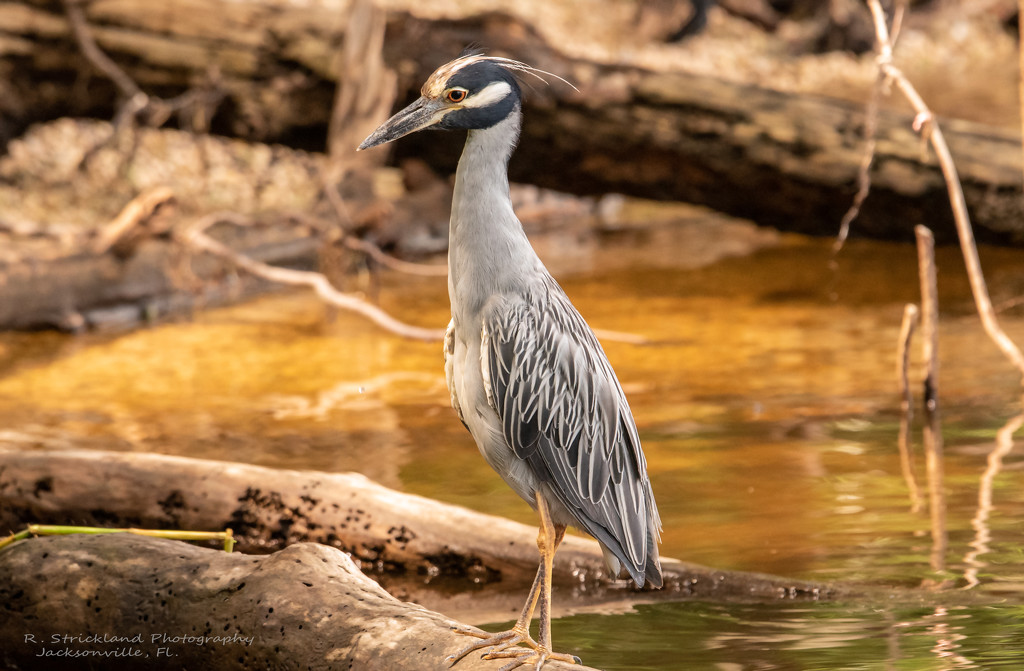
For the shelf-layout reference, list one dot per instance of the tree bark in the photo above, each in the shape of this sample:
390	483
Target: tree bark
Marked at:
127	602
403	539
779	159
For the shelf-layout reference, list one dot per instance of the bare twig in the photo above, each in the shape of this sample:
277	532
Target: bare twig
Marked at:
137	101
933	426
925	123
129	89
1020	57
864	172
135	212
195	237
388	261
910	314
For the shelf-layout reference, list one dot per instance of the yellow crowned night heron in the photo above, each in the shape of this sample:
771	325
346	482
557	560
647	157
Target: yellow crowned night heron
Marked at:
526	374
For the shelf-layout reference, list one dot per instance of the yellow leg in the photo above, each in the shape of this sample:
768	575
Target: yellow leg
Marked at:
502	644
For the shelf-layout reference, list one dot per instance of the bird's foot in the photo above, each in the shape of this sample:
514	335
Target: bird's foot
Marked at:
504	645
533	659
499	643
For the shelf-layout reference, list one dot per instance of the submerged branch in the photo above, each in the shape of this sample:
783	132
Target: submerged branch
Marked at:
933	425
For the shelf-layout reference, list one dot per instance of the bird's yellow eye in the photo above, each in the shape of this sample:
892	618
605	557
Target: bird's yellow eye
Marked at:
456	95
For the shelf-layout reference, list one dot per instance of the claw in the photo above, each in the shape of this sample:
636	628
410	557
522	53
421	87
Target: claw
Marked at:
499	642
536	658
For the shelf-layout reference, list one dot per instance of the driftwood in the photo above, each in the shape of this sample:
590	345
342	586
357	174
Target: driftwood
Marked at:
128	602
406	541
108	291
663	135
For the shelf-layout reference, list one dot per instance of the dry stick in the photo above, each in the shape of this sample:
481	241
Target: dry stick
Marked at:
137	100
910	313
195	237
864	172
129	89
925	123
1020	57
932	427
982	533
134	213
388	261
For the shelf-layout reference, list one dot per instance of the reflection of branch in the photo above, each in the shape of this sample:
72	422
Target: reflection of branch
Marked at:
907	406
925	123
195	237
982	533
341	395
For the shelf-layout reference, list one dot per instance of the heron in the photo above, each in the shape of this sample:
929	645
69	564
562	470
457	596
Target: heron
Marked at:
526	374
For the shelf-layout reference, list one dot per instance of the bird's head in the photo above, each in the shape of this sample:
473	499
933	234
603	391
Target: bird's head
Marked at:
471	92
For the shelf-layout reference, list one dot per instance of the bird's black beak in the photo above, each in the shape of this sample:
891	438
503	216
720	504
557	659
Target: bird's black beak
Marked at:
419	115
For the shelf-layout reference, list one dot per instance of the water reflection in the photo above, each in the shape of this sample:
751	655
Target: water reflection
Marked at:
766	401
823	637
982	532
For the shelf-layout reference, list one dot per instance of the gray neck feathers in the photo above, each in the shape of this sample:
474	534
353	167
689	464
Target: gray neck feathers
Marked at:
488	251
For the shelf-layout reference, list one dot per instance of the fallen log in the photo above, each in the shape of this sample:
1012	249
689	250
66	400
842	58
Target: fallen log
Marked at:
781	159
127	602
407	541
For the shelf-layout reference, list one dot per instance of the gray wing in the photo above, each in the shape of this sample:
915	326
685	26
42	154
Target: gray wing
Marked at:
563	411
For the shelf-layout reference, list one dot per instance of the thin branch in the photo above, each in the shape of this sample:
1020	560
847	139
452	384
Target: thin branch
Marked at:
1020	58
864	172
195	237
388	261
134	213
83	35
925	123
137	101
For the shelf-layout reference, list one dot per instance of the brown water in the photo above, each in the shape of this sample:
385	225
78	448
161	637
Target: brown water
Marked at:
765	398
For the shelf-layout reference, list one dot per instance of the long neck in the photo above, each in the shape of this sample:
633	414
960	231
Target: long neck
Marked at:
488	252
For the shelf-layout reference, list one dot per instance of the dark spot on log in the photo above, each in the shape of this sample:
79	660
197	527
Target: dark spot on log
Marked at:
171	506
43	485
401	534
307	584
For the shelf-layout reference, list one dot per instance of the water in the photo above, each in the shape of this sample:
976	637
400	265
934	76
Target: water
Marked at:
766	402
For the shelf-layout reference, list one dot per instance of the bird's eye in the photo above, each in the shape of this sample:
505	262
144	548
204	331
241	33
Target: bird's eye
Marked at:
456	95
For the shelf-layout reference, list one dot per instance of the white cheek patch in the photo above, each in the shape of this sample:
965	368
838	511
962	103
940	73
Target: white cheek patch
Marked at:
490	94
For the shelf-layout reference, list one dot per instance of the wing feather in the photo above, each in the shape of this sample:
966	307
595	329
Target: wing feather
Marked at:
563	411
